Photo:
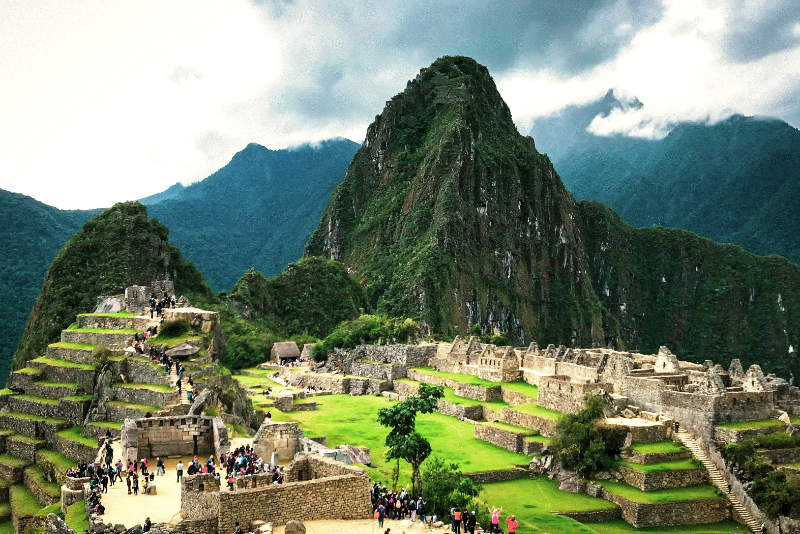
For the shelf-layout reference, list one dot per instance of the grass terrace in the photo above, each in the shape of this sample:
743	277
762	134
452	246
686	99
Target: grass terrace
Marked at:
61	462
75	517
23	502
343	419
688	464
539	439
47	384
26	439
33	398
5	512
133	406
664	496
55	362
161	388
621	527
7	391
78	398
54	508
7	527
757	424
458	377
28	371
660	447
535	409
13	461
76	346
511	428
76	434
451	397
31	417
52	489
74	328
106	424
115	314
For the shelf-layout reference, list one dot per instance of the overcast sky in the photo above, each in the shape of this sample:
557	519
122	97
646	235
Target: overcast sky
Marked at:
102	101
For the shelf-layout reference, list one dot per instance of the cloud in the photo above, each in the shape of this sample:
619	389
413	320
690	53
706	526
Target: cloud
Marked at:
105	101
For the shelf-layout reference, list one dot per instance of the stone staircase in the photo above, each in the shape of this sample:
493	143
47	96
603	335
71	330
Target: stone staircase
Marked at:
715	475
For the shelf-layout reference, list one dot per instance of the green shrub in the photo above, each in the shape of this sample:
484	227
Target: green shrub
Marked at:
444	486
584	444
174	328
367	329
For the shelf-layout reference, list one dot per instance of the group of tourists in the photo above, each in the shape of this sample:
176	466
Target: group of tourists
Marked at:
157	305
391	505
388	504
244	461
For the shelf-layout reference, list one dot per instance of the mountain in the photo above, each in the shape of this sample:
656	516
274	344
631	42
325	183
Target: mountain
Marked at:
312	296
733	181
118	248
30	235
257	211
448	215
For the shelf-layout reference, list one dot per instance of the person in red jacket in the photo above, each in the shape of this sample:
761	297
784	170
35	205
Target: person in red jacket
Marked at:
512	524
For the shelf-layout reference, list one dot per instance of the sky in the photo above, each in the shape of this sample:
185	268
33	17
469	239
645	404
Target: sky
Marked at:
103	101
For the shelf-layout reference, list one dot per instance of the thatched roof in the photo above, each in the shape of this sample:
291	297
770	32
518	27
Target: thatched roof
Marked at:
284	350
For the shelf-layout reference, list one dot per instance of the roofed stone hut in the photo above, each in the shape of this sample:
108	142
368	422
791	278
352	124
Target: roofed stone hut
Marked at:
284	350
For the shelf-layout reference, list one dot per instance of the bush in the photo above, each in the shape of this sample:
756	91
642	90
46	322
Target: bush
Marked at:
102	354
582	443
444	486
174	328
367	329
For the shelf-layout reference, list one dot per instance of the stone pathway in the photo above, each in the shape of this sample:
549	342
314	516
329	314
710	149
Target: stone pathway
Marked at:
719	481
366	526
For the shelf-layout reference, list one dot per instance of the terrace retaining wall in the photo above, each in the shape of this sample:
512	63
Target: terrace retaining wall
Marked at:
656	480
696	512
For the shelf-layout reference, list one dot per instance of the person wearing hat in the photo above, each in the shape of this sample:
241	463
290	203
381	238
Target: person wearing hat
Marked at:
471	521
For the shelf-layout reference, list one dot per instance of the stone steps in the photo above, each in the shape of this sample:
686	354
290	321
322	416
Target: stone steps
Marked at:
46	492
718	480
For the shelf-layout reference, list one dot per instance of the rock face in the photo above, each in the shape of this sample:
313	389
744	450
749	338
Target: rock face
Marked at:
295	527
55	525
448	215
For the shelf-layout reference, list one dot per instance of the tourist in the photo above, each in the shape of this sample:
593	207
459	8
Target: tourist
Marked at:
128	480
230	482
495	518
135	484
729	487
147	525
178	383
456	520
159	466
511	523
179	469
677	426
381	514
421	510
471	522
763	528
238	529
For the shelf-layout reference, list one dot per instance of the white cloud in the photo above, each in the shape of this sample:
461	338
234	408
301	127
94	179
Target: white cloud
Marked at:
107	101
677	67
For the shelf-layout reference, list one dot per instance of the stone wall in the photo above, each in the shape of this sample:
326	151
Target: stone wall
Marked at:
143	396
402	355
732	435
654	458
561	394
200	497
512	397
502	438
459	411
480	393
23	448
202	320
782	456
670	514
136	369
113	322
77	451
113	340
656	480
84	378
501	475
545	427
594	516
177	435
283	438
383	371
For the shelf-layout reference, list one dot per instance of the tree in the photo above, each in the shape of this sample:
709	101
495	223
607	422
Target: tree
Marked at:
403	440
444	486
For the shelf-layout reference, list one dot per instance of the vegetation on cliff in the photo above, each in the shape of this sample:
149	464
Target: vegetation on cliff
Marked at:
118	248
368	329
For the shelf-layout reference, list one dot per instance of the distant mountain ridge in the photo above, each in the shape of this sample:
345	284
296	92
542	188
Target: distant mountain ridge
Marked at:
732	181
31	233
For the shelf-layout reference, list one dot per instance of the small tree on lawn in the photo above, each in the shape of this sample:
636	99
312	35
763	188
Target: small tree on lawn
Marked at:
403	440
444	486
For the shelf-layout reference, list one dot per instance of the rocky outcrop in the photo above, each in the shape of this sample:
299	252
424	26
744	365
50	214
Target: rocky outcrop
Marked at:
55	525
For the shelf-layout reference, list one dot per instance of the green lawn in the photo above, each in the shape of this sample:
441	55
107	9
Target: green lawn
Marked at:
678	465
352	420
76	434
106	424
535	409
115	314
264	382
458	377
78	398
53	490
661	496
451	397
621	527
529	390
28	371
534	501
33	398
161	388
55	362
660	447
26	439
7	527
757	423
31	417
44	383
